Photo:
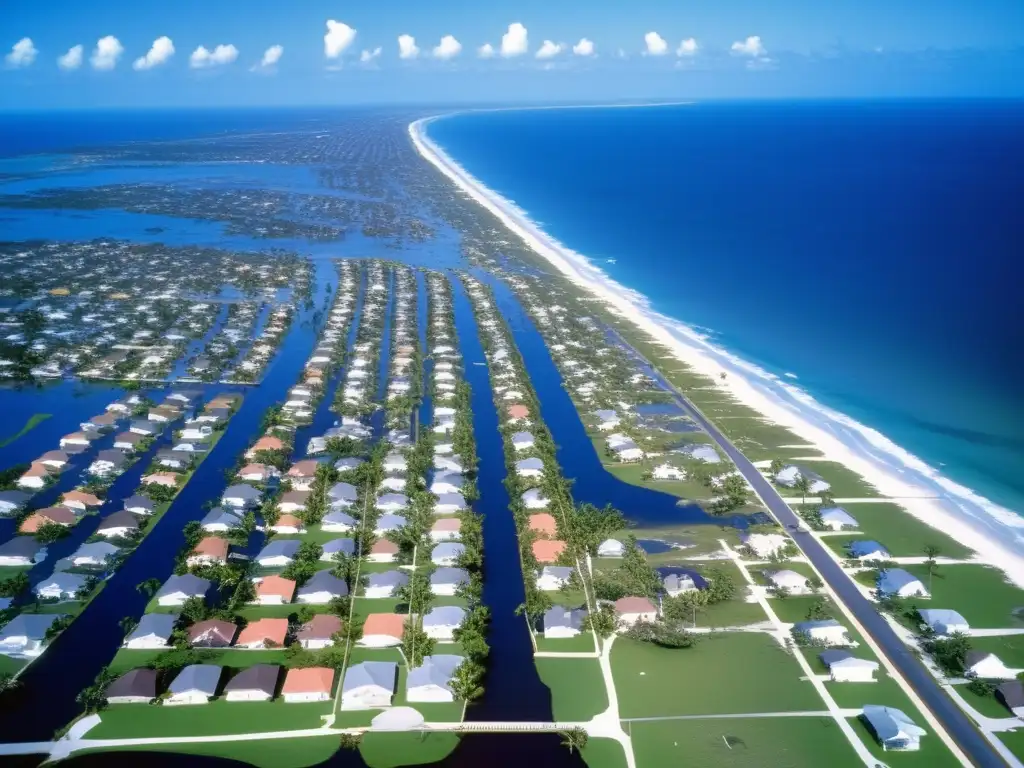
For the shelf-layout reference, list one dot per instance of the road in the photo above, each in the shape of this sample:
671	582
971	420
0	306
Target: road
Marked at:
951	717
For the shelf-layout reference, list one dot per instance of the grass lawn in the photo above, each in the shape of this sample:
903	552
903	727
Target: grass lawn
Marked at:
267	753
1009	648
215	718
933	753
386	750
634	475
845	482
604	753
584	641
979	593
577	688
794	609
757	571
127	658
989	706
884	690
698	540
33	421
253	612
798	742
725	673
1014	741
9	666
732	613
900	532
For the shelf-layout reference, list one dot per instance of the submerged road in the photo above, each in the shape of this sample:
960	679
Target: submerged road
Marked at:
957	724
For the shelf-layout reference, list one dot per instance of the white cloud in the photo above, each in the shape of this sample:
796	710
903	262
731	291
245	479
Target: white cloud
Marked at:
548	50
656	45
584	47
448	48
108	50
407	47
270	58
339	37
750	47
687	47
485	51
22	53
367	56
72	59
201	58
161	50
514	42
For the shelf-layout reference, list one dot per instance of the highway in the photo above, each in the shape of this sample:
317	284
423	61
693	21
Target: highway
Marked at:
957	724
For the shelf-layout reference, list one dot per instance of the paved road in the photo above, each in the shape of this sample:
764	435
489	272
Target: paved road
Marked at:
953	719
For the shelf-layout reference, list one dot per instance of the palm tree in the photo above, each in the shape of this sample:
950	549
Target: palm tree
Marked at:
776	466
148	587
803	485
128	624
575	739
931	551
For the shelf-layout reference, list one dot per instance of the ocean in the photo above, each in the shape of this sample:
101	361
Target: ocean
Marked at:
866	253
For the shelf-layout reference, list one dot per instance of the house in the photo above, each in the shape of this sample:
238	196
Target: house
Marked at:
901	583
1012	696
21	551
764	545
241	496
144	427
256	473
166	479
446	581
263	633
210	550
553	577
274	590
153	632
128	441
119	525
80	439
288	524
220	520
944	621
319	631
60	586
534	499
449	503
48	516
348	464
139	505
335	547
279	553
12	501
630	610
987	666
195	684
844	667
369	685
25	635
607	420
386	523
822	632
547	550
382	551
171	459
293	501
392	502
611	548
54	459
542	524
382	630
790	475
867	550
561	622
177	589
255	683
431	681
95	555
448	464
893	729
137	686
677	583
80	500
837	519
385	584
700	452
441	622
337	522
447	483
445	529
667	472
522	441
301	473
35	476
517	412
342	495
199	432
308	684
107	462
791	581
447	553
395	462
322	588
212	633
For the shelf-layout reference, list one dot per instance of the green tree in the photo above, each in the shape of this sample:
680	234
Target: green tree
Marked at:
803	485
776	466
817	611
466	681
575	739
48	533
415	643
94	697
950	653
148	587
931	551
14	585
128	624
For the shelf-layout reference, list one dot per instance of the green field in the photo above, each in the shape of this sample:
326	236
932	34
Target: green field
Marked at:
634	475
1009	648
933	753
583	642
844	482
577	687
387	750
902	534
794	609
979	593
604	753
9	666
226	657
265	753
884	690
989	706
1014	740
725	673
797	742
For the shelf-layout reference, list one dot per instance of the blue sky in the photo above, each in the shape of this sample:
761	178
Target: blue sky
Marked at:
257	52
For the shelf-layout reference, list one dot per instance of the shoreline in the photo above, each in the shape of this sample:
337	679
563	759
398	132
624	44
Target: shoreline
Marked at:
994	532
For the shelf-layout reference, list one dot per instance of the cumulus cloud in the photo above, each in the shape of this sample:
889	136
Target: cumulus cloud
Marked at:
72	59
106	53
583	48
548	50
367	56
22	53
407	47
448	48
752	46
656	45
485	51
339	37
201	58
270	58
514	42
161	50
687	47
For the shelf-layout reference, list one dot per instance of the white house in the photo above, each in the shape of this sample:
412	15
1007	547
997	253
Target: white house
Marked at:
177	589
607	420
447	553
395	462
901	583
25	635
337	522
279	553
152	633
522	441
369	685
534	499
255	683
822	632
200	432
793	582
631	610
431	681
21	551
561	622
553	577
386	523
764	545
59	586
322	588
441	622
447	483
893	729
195	684
868	551
446	581
220	520
944	621
94	555
837	519
844	667
790	475
611	548
385	584
392	502
987	666
667	472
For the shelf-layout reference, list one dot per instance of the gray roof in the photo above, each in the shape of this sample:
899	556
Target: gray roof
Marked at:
449	576
159	624
348	546
946	616
435	670
192	586
136	682
382	673
888	722
1012	693
279	547
454	499
838	515
30	625
557	571
323	581
830	657
444	616
17	498
866	547
258	677
339	518
200	677
98	549
387	522
892	580
120	519
448	549
68	583
20	546
343	492
393	498
221	515
531	463
559	616
243	491
388	579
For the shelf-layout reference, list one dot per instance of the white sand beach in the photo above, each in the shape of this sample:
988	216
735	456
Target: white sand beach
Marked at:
996	533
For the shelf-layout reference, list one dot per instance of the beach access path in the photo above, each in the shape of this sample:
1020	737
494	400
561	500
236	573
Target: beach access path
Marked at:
949	722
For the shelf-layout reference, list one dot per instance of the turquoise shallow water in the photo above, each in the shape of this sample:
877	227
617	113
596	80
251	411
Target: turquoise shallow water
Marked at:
867	252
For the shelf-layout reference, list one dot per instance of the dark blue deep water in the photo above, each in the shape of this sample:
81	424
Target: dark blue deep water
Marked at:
871	250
